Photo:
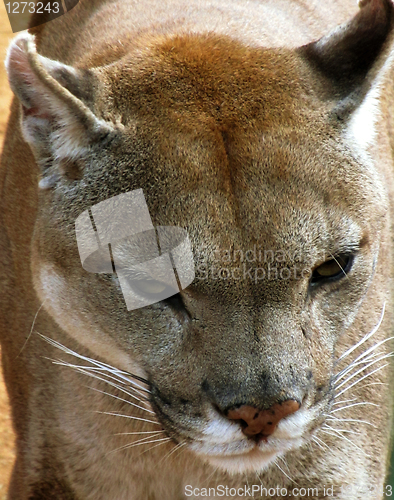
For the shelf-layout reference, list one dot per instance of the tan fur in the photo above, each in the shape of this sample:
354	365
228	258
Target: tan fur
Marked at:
241	130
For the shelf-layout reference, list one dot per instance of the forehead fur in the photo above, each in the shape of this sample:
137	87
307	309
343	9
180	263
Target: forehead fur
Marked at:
207	74
227	120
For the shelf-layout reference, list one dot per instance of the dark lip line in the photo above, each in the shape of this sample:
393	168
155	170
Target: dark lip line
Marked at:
253	449
173	433
176	437
169	426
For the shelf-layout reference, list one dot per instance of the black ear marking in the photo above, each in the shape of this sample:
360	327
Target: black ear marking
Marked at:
349	51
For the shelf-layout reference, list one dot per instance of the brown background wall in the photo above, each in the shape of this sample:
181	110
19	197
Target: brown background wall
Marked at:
6	434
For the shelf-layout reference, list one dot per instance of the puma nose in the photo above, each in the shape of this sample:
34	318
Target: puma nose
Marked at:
263	422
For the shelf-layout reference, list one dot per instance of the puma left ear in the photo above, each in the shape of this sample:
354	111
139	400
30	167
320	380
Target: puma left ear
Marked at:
354	62
56	122
347	53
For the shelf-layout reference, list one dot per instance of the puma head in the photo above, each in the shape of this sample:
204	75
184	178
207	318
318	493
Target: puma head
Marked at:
248	149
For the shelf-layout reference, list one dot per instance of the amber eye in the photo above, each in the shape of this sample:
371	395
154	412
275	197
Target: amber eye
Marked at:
335	268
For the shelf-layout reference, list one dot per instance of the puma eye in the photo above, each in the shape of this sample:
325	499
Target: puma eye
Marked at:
149	286
333	269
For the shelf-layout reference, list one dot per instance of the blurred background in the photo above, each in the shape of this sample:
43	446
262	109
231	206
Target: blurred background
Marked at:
6	433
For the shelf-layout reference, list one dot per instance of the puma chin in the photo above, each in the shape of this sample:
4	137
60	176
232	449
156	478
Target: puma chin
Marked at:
267	139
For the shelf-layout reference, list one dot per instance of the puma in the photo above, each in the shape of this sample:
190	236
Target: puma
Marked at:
264	130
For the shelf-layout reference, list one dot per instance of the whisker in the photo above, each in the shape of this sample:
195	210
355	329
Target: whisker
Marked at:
93	375
287	467
357	360
259	478
137	433
127	416
145	440
353	364
366	337
283	472
318	444
318	441
373	383
132	445
139	397
355	420
182	449
337	433
362	378
368	351
372	348
177	447
330	433
138	443
345	401
355	404
156	445
284	462
117	386
111	369
122	399
103	373
341	430
115	376
363	369
31	329
342	269
211	474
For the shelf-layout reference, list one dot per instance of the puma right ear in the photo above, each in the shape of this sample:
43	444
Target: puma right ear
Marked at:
56	122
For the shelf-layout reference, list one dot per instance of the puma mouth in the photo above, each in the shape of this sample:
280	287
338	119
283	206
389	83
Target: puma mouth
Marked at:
224	446
243	447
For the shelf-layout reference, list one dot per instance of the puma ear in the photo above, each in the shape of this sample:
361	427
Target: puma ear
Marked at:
354	61
347	53
56	123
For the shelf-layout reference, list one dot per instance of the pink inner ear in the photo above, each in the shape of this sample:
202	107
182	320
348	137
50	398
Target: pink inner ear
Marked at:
18	64
35	98
35	111
24	82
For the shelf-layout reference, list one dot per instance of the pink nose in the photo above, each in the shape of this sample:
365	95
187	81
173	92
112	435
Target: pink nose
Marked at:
263	422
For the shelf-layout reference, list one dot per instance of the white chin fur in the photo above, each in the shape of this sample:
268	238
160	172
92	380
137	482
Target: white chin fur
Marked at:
223	444
244	456
253	461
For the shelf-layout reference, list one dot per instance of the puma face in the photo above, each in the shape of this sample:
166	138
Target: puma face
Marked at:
255	152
